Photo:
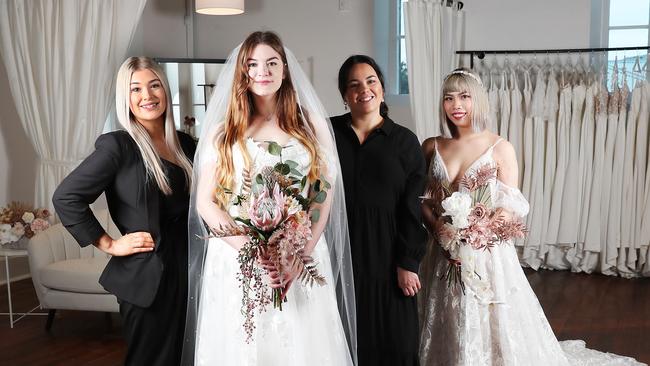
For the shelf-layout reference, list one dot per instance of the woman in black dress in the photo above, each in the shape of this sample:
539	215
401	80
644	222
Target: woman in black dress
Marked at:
384	174
145	172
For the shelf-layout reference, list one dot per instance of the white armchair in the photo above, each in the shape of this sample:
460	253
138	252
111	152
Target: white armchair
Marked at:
65	275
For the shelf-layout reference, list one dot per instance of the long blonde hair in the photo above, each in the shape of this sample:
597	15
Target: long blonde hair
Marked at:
241	109
151	159
463	80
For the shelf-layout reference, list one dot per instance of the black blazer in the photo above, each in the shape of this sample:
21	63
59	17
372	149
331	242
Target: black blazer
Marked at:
116	167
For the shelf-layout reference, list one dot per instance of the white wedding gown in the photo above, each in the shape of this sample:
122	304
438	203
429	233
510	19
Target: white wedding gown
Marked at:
507	328
308	330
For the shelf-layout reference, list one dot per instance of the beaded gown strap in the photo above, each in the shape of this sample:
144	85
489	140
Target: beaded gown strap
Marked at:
495	144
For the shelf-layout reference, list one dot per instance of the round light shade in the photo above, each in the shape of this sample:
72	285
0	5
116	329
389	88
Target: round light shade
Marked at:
220	7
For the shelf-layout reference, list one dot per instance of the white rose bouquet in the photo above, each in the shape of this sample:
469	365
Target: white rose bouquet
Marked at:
468	221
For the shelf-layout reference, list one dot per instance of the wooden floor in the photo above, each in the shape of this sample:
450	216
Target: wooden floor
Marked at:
611	314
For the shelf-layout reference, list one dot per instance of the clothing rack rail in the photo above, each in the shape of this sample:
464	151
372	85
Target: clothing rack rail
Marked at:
481	53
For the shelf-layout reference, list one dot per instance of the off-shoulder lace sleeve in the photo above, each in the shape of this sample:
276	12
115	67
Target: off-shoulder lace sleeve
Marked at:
511	199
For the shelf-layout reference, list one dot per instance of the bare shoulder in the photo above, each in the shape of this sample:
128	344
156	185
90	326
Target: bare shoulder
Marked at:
504	150
428	145
506	158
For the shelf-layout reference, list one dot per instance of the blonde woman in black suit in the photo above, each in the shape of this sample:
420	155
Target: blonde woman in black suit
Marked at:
145	172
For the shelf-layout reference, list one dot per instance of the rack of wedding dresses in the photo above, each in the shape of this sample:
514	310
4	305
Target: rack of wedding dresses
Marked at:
580	132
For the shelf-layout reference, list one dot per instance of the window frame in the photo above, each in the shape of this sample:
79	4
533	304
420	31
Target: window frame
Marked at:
609	27
399	19
186	82
601	14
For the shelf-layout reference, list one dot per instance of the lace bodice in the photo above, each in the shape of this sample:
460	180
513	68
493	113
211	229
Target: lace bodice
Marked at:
260	158
503	196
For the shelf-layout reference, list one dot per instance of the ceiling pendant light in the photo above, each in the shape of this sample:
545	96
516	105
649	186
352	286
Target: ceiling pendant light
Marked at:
220	7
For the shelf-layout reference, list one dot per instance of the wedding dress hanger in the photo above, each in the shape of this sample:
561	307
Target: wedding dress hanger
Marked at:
637	64
589	66
614	83
624	75
637	72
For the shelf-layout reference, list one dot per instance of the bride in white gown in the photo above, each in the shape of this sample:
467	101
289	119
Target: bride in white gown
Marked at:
497	320
263	96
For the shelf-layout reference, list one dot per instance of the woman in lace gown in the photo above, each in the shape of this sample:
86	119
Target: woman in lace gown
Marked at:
265	97
501	323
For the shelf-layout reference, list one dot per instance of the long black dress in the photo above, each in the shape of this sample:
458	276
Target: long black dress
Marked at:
155	334
383	178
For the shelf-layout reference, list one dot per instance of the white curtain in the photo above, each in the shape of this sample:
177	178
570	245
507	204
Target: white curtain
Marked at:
582	148
434	32
61	58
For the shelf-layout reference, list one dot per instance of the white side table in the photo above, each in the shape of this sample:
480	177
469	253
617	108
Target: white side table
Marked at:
7	254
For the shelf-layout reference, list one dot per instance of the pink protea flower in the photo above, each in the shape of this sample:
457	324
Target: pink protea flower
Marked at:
266	210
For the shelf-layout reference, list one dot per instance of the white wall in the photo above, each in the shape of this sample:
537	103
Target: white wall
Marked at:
527	24
162	30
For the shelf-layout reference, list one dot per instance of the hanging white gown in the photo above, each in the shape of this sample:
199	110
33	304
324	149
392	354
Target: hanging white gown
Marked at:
640	173
571	192
504	104
586	158
526	164
308	330
551	112
608	253
517	113
583	260
644	234
594	239
508	329
560	164
493	99
529	254
616	187
626	263
535	216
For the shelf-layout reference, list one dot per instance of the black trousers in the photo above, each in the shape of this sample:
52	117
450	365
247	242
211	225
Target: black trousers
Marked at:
154	335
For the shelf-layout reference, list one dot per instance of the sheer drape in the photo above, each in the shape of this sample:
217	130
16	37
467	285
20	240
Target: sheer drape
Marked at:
61	59
434	32
583	154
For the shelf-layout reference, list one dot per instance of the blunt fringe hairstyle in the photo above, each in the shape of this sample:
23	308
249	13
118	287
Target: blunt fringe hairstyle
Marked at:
151	159
458	81
344	75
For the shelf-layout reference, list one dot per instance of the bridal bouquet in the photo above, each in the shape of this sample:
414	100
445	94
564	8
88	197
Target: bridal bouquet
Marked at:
18	220
277	219
470	222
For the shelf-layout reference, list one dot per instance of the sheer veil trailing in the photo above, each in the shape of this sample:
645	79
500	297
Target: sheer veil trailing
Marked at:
205	163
